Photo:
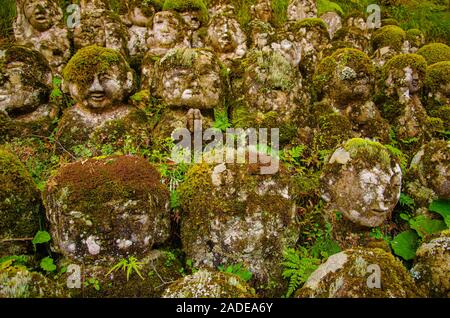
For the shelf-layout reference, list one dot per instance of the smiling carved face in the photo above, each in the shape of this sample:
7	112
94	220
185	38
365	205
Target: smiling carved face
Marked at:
165	28
41	14
106	90
224	34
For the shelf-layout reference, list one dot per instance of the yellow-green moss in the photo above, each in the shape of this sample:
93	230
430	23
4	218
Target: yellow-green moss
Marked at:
390	35
437	74
188	5
435	52
368	150
92	60
309	23
389	21
401	61
415	37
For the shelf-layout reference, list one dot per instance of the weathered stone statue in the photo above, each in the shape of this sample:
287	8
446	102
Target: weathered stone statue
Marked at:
345	83
100	81
25	85
167	32
437	89
138	17
387	42
40	25
301	9
191	84
270	94
362	182
262	34
225	35
99	26
403	77
333	21
262	10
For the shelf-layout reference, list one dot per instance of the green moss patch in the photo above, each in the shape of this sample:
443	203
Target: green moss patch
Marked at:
435	52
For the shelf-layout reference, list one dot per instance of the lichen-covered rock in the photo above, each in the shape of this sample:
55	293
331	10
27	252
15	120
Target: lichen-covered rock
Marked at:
345	80
25	84
40	25
301	9
333	21
430	169
431	266
103	209
355	273
208	284
18	282
101	81
157	270
435	52
19	205
362	180
233	214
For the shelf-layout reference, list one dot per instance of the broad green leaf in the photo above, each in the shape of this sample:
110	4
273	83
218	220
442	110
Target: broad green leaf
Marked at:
442	207
41	237
47	264
405	244
426	226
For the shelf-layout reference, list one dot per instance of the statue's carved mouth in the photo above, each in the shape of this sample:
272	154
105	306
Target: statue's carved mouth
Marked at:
41	18
97	96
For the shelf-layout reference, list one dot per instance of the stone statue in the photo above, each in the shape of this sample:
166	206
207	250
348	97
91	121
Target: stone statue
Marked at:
301	9
39	25
25	85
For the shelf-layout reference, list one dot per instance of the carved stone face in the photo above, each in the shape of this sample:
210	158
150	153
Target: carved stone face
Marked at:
105	91
40	14
301	9
20	91
225	34
198	85
192	19
166	28
351	85
365	190
141	17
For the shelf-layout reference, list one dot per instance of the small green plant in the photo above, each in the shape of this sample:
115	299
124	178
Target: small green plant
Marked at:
94	283
47	264
406	243
129	266
41	237
238	270
190	266
221	120
299	265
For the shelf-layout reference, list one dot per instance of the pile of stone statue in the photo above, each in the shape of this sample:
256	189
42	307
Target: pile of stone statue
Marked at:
368	107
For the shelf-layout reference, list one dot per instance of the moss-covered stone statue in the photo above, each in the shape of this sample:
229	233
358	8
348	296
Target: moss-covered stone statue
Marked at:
350	37
435	52
101	81
100	26
431	268
301	9
387	42
402	82
415	39
225	35
191	84
40	25
360	273
235	215
344	82
429	175
361	181
333	21
437	92
19	206
271	94
102	210
262	10
137	16
25	86
209	284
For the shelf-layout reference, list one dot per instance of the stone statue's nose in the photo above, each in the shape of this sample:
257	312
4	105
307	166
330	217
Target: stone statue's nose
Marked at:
96	87
40	8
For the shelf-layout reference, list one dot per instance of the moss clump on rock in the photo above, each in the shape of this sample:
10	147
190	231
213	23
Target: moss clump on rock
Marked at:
390	35
188	5
105	208
347	62
93	60
396	65
346	275
415	37
209	284
19	204
435	52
